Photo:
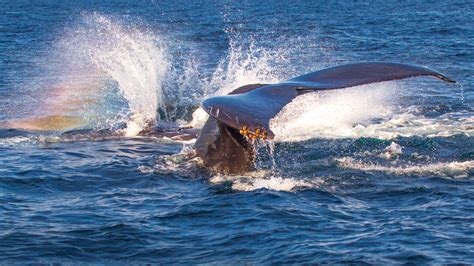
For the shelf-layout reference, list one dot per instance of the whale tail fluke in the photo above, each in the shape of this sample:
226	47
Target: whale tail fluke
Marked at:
249	110
359	74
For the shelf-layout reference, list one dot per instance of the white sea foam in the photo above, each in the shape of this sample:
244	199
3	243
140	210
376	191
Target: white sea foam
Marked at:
199	118
15	141
444	169
259	180
263	180
364	111
333	113
392	151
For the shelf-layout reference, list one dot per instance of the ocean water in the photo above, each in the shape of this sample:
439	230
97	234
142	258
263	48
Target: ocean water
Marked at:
373	174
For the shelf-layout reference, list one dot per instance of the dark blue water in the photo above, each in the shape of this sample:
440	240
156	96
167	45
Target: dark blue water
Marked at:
378	174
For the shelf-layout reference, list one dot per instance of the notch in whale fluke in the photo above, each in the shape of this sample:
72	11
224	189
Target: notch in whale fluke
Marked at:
250	111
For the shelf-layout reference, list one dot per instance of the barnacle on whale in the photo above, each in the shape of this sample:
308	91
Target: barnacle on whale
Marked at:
259	133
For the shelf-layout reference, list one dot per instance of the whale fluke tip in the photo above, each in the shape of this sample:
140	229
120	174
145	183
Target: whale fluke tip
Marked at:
444	78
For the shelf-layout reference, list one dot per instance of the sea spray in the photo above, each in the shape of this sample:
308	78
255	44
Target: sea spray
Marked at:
250	61
244	64
330	114
138	78
135	59
106	72
265	154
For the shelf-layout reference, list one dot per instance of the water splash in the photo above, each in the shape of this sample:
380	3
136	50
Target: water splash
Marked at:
102	73
333	113
133	58
248	62
130	76
244	64
364	111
